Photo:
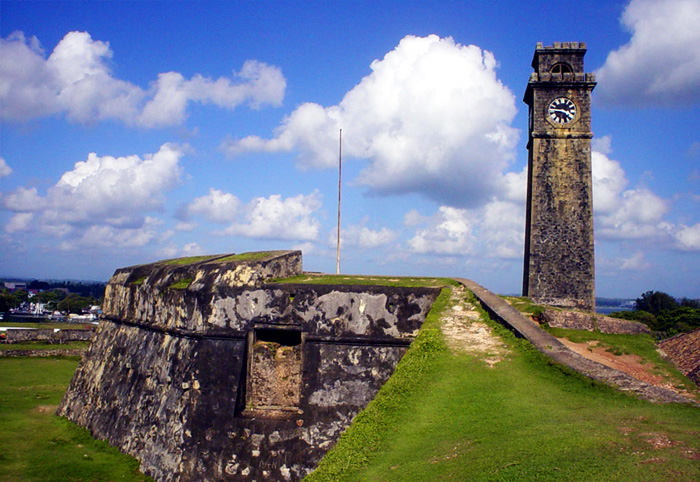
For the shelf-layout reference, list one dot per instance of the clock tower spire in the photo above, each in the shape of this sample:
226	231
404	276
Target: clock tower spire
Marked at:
559	258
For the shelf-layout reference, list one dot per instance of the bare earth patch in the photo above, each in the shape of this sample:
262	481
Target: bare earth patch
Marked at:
465	332
46	408
630	364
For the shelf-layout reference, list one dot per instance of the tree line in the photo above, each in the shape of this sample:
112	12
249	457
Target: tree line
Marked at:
64	296
664	314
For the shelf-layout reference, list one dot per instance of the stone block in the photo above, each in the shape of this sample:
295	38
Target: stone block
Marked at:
572	320
607	324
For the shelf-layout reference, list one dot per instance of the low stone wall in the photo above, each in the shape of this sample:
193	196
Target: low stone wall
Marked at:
576	320
41	353
607	324
49	336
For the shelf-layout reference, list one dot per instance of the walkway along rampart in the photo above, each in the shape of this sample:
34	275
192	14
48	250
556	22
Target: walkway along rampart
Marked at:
508	316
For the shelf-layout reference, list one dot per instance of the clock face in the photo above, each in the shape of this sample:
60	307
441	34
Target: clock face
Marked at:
561	110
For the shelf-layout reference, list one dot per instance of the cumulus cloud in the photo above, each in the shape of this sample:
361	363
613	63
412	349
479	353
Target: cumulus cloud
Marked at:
449	231
192	249
624	213
77	80
362	237
101	201
5	170
216	207
636	262
279	218
105	236
494	230
19	222
687	238
431	118
660	65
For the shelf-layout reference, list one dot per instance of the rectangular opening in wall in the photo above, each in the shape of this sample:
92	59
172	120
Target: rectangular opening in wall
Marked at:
274	371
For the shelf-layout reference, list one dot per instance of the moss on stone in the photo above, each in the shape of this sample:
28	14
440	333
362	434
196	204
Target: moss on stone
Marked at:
188	260
180	285
252	256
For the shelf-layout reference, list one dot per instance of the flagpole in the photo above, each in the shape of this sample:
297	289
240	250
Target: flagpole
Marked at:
340	176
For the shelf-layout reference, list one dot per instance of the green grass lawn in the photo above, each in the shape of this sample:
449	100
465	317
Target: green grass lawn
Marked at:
42	345
35	444
443	416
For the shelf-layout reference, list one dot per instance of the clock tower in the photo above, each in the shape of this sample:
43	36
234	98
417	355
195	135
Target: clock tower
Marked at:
559	261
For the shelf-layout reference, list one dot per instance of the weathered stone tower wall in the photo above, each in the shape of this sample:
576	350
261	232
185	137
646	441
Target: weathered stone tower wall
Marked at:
559	256
206	371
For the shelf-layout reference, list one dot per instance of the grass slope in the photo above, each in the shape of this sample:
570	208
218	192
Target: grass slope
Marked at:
443	416
35	444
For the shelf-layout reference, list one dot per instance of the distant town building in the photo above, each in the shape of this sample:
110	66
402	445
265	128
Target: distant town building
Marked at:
13	286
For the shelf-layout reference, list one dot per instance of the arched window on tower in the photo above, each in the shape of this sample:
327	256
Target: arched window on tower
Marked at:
561	68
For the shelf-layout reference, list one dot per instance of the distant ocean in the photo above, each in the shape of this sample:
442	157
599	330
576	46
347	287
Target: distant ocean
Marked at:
605	306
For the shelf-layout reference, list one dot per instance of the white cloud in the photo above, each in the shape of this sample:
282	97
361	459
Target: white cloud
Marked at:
102	201
192	249
76	79
216	207
307	248
362	237
184	226
688	237
22	199
660	65
449	231
624	213
636	262
115	189
502	229
278	218
103	236
432	117
5	170
494	230
19	222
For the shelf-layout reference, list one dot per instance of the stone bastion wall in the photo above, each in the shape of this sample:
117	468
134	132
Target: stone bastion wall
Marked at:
207	371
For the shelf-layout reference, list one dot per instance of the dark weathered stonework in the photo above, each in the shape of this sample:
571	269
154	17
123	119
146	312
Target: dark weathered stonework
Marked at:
234	378
575	320
559	258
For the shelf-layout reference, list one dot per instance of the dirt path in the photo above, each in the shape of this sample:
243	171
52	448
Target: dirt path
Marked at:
465	332
631	364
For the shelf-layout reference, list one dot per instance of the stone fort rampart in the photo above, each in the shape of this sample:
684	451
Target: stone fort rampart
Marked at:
205	370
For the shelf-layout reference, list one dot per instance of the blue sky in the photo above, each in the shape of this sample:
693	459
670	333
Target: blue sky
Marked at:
136	131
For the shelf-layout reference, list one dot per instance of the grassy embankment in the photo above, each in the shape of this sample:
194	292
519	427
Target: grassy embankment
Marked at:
441	416
446	416
35	444
643	346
